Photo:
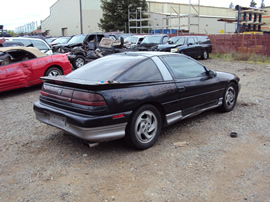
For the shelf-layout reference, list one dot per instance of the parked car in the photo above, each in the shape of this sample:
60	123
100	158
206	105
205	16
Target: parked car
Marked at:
150	41
49	40
60	40
40	44
23	67
132	95
133	41
78	44
194	46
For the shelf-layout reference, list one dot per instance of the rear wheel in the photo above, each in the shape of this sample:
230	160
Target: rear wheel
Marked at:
144	127
229	98
78	62
53	71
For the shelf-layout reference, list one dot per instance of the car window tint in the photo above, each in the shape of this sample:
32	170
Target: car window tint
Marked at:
106	68
40	45
26	42
165	39
191	41
181	41
145	71
184	68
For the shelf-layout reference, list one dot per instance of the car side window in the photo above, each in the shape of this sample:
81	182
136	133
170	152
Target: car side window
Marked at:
145	71
191	41
184	68
26	42
40	45
165	39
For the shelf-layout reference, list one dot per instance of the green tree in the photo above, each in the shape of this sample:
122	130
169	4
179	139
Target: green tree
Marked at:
11	32
253	4
115	13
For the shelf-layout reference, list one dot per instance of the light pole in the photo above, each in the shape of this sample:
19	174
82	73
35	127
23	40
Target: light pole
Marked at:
81	16
140	8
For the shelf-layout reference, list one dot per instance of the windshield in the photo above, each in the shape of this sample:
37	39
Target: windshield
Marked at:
152	39
106	68
61	40
177	40
132	39
181	41
77	39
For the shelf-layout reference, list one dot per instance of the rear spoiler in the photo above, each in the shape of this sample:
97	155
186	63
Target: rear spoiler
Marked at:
87	85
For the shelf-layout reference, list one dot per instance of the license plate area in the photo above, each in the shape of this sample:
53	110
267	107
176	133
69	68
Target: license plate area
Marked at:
57	120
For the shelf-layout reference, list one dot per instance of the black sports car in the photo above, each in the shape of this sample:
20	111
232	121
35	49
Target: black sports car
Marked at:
133	95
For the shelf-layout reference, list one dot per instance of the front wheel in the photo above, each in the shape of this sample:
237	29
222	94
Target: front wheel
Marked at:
205	55
229	98
79	61
144	127
53	71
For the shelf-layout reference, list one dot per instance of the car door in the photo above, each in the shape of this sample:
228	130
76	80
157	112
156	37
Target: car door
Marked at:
198	48
12	76
197	90
191	47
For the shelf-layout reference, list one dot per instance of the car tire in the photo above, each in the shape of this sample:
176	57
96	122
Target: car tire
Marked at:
53	71
78	61
205	54
144	127
229	98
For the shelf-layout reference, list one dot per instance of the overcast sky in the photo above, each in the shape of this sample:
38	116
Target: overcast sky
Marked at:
15	13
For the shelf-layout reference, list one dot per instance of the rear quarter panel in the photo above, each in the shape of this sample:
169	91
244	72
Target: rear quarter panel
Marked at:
129	99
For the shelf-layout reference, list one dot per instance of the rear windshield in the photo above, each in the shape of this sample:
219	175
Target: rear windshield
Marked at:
106	68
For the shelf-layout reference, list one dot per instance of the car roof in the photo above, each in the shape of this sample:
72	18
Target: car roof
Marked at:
148	53
27	38
32	50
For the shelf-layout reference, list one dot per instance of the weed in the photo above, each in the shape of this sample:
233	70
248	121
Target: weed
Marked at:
235	56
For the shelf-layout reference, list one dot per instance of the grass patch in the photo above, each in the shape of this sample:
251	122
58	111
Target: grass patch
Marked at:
242	57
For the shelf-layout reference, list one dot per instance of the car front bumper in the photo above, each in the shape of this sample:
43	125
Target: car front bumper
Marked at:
66	122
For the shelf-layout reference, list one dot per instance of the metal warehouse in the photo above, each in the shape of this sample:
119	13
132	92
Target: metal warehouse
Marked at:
82	16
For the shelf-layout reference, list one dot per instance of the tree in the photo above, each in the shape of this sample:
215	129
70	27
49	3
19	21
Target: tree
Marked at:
253	4
231	5
262	4
115	13
11	32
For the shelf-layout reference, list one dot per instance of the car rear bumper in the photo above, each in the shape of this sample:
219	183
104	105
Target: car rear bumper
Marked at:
93	133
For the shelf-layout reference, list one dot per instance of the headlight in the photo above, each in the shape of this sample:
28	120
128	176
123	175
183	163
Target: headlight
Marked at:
174	50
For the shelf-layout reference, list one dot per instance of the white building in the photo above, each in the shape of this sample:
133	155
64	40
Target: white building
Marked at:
70	17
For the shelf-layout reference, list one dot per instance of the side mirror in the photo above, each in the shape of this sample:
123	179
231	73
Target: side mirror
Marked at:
212	73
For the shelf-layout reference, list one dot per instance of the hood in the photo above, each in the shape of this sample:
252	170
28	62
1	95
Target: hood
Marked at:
167	46
148	45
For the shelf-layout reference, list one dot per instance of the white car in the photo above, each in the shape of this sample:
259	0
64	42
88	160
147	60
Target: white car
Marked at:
133	41
40	44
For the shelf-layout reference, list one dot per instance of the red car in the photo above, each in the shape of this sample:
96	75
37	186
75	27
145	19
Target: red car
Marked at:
23	67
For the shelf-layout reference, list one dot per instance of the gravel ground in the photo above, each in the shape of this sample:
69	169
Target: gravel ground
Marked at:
194	160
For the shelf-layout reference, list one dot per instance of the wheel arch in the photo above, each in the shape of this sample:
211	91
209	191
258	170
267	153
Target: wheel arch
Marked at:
157	105
56	66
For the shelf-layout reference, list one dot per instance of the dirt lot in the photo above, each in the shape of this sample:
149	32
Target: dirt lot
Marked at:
41	163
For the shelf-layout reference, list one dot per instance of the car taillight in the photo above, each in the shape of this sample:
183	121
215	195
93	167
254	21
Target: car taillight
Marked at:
89	99
78	97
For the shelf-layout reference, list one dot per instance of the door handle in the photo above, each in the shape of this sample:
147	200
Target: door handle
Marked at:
181	89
